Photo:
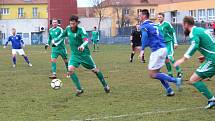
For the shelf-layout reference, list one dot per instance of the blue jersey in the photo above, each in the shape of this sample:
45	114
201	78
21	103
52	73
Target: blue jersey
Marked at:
16	41
151	37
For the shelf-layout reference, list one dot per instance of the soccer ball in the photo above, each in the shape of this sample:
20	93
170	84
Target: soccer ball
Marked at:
56	84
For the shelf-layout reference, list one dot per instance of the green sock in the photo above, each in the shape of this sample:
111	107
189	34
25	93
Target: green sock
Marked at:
76	81
169	68
101	78
177	68
94	46
202	88
54	66
66	65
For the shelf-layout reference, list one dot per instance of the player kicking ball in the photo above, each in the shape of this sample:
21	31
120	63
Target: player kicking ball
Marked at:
152	38
170	40
17	47
203	41
95	39
135	39
60	50
80	53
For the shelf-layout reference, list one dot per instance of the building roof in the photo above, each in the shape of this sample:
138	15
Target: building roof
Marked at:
13	2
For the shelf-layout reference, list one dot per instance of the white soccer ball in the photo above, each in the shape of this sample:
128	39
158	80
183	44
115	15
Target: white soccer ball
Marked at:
56	84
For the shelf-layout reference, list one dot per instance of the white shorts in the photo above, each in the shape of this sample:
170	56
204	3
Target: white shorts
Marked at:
19	51
157	59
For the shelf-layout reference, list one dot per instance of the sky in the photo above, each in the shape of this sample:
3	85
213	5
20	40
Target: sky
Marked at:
84	3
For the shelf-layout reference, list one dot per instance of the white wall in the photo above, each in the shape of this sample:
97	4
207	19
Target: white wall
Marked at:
24	26
89	23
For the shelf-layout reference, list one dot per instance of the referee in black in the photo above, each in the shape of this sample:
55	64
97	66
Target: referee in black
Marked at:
135	39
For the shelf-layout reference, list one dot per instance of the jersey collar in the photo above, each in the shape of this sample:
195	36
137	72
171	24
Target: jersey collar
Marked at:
191	32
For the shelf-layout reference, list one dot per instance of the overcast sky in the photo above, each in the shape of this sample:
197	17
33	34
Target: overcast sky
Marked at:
84	3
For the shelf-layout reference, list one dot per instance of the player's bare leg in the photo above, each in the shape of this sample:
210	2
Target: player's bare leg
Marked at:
198	83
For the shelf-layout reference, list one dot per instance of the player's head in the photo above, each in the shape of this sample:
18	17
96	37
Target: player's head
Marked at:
188	23
54	22
144	15
95	28
13	31
161	17
74	22
138	26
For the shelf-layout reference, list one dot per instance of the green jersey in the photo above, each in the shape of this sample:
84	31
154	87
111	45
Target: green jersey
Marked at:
168	32
54	33
95	36
76	39
203	41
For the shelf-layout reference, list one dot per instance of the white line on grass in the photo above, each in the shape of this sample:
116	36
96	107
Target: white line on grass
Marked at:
139	114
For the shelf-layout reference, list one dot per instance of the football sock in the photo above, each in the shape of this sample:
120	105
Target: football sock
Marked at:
26	59
14	60
162	76
66	65
143	57
165	84
132	55
101	78
178	69
94	47
169	68
54	66
76	81
202	88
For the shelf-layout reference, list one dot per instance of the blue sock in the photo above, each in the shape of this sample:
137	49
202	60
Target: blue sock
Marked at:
162	76
165	84
14	60
26	59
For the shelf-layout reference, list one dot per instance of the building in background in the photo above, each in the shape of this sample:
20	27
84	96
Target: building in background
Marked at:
29	17
62	10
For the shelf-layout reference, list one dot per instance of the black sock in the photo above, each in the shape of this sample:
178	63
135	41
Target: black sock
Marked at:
132	56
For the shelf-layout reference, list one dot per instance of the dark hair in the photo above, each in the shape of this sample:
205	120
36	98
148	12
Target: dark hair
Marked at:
74	18
145	12
189	20
95	27
162	14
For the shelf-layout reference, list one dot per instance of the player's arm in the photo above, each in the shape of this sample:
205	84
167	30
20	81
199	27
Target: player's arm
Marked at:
8	40
144	41
172	30
131	37
98	36
84	36
56	41
23	44
190	52
49	41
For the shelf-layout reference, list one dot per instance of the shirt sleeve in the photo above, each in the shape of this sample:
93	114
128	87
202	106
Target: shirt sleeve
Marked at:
61	37
8	40
84	33
144	39
193	47
20	37
172	31
49	38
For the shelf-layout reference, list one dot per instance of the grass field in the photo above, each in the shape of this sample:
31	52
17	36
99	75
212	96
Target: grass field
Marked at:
26	94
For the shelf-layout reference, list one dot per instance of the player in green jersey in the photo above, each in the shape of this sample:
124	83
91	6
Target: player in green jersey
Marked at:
95	38
204	42
169	35
60	50
80	53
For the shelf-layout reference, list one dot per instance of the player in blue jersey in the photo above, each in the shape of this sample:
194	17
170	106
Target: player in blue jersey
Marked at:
17	44
152	38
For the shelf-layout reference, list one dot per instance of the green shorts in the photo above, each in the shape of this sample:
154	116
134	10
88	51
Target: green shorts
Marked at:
84	60
170	49
62	53
206	69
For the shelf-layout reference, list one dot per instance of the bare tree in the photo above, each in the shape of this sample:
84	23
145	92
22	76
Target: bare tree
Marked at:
99	8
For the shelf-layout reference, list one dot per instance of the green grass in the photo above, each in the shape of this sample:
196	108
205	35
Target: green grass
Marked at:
26	94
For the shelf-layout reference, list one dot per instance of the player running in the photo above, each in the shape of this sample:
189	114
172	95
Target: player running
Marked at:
169	35
203	41
17	47
60	50
152	38
136	43
80	53
95	39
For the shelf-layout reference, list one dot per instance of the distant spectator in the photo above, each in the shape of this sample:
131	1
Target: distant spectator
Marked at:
213	26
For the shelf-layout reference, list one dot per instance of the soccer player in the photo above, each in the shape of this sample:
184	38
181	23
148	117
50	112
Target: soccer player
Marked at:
203	41
152	38
169	35
135	40
80	53
95	39
17	47
60	50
